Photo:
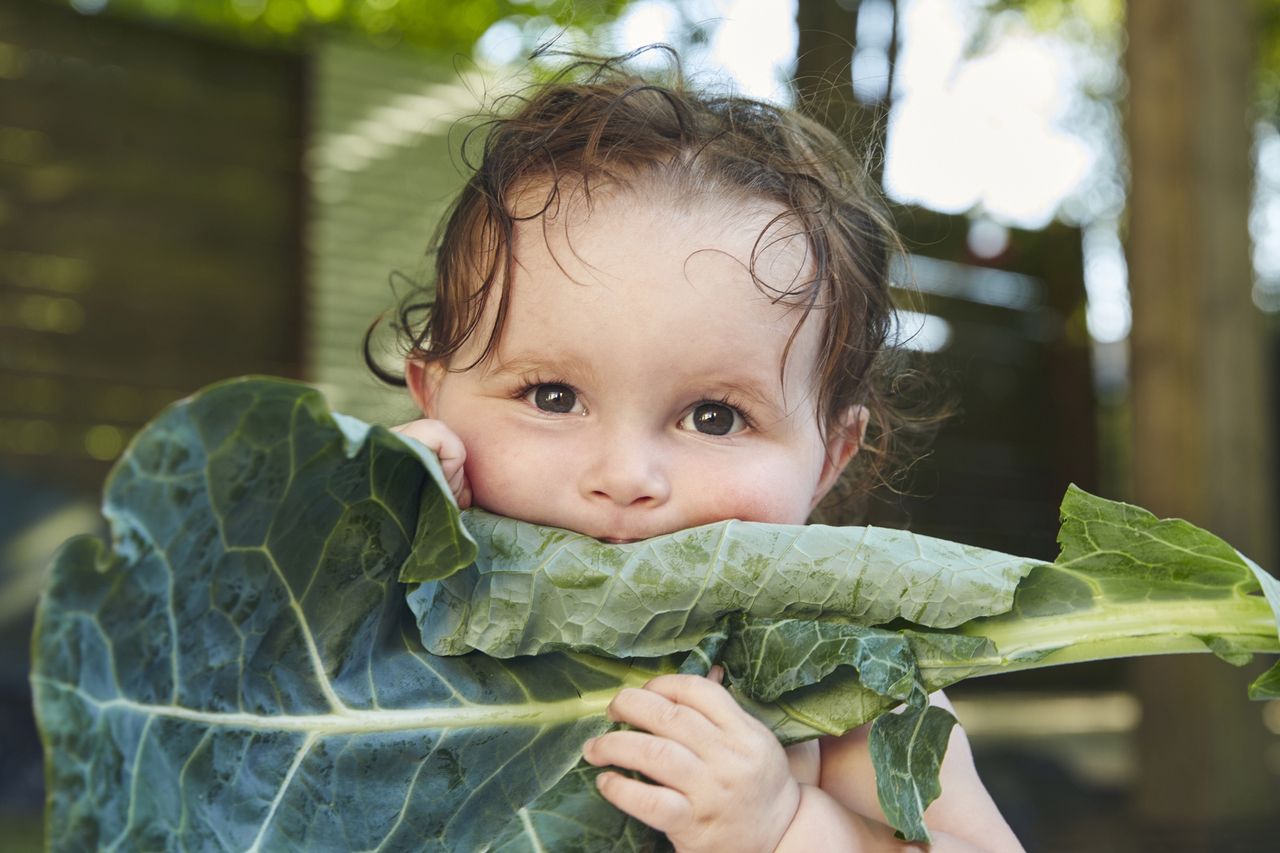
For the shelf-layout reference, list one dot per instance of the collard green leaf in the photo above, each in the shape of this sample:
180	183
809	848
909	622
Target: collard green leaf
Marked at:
534	588
709	650
1128	583
1230	649
769	657
573	810
1268	585
442	544
1267	685
1127	554
907	750
240	670
1125	583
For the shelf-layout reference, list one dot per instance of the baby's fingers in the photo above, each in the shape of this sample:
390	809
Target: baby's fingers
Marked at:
461	491
664	761
448	448
703	695
441	440
661	808
655	713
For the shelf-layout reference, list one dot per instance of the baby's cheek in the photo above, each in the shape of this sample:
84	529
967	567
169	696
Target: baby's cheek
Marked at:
774	512
767	499
512	483
491	485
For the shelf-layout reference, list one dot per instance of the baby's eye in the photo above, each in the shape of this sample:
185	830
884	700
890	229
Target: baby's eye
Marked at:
555	398
713	419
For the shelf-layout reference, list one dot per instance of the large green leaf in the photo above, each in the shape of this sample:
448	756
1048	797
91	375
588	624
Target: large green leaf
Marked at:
1128	583
769	657
534	588
241	671
907	750
837	626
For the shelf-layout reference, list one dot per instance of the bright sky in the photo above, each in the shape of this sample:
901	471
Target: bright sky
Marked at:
1002	116
1264	223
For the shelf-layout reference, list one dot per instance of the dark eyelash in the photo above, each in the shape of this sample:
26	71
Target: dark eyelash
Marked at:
731	401
528	383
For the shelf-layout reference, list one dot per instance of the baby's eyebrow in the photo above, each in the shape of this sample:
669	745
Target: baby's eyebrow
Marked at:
751	393
521	364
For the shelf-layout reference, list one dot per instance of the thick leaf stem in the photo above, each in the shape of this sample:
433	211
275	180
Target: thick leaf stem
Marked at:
1117	630
366	720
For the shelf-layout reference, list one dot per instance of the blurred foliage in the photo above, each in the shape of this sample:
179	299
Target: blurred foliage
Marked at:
1268	26
1096	23
439	25
1105	19
1102	15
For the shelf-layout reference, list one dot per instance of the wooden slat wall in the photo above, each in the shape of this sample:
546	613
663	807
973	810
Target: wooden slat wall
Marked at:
150	213
382	171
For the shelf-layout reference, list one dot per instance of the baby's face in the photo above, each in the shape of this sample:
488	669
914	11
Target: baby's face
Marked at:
638	391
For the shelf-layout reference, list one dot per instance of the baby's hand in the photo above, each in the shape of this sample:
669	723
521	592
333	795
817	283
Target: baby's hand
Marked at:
446	445
723	781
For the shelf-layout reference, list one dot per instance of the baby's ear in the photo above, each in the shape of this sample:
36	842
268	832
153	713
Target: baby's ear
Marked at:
844	438
423	381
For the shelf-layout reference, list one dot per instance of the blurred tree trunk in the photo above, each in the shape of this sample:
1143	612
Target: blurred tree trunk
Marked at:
823	83
1201	441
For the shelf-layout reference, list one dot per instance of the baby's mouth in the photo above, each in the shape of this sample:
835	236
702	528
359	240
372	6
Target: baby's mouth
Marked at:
612	541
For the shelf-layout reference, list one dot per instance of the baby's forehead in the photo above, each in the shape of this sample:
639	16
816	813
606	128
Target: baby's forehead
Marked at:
648	221
648	279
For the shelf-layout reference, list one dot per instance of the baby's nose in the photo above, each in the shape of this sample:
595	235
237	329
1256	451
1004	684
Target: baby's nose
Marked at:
626	476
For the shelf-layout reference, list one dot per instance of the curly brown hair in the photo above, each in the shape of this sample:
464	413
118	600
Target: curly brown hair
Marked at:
595	123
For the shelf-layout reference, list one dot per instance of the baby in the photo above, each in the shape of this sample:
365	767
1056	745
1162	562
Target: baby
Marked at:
656	309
